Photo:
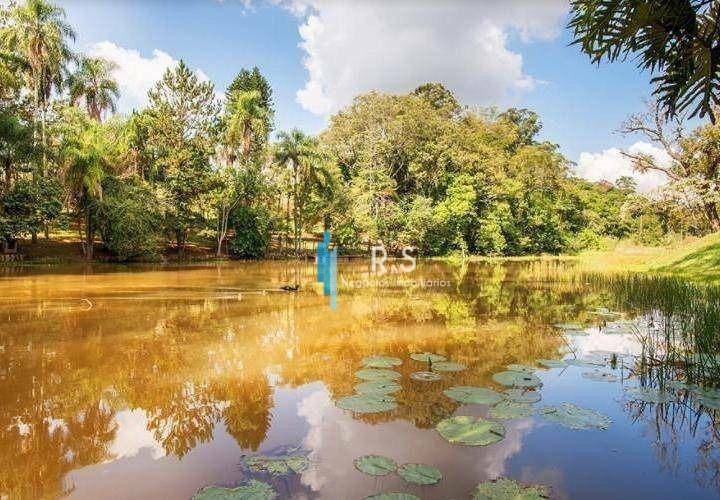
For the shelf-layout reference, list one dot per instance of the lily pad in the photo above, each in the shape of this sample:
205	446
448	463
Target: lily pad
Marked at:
649	394
521	368
448	366
599	376
381	362
473	395
575	417
471	431
377	374
517	379
509	489
521	396
367	403
552	363
509	409
419	474
427	356
381	386
426	376
253	490
278	466
375	465
393	496
585	362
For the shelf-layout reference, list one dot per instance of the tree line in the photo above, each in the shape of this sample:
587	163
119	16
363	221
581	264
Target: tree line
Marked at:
418	169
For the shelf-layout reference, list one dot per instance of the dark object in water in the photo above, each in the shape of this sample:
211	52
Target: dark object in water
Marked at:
290	288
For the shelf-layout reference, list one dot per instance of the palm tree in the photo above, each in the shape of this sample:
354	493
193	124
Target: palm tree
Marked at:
94	82
36	31
299	150
246	122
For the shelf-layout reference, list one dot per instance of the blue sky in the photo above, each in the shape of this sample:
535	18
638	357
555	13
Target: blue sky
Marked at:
317	54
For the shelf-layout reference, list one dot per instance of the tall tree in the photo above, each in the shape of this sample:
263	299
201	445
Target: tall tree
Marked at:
298	152
37	32
182	123
676	40
93	82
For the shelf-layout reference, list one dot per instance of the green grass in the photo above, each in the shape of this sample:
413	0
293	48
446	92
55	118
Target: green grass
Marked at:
698	260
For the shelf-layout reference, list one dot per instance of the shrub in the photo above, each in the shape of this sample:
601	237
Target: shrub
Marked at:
252	233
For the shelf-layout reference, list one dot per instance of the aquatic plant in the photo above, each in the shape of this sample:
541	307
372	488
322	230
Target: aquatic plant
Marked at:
517	379
375	465
253	490
425	376
509	409
599	376
380	386
427	357
471	431
377	374
393	496
509	489
521	395
575	417
367	403
278	466
649	394
419	474
552	363
473	395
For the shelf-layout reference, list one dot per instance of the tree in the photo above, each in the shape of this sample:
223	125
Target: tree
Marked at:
36	32
90	152
93	82
677	40
252	80
181	125
691	163
299	152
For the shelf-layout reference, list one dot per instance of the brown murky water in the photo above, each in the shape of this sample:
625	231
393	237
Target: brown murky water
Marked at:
143	382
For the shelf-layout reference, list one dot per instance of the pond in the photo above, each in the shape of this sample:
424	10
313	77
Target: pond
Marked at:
156	382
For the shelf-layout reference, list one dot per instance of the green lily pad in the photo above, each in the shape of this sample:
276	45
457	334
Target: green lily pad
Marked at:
473	395
448	366
521	368
575	417
471	431
375	465
381	362
392	496
552	363
521	396
367	403
509	409
425	376
419	474
381	386
509	489
253	490
649	395
585	362
427	356
278	466
517	379
599	376
377	374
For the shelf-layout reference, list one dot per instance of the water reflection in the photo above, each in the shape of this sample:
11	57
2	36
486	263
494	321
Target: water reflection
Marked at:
153	382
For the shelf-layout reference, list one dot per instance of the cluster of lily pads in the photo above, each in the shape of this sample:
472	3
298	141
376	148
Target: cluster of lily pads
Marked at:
279	465
379	381
252	490
378	465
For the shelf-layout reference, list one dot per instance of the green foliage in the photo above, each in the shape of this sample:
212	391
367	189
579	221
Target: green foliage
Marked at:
28	205
675	40
252	233
128	220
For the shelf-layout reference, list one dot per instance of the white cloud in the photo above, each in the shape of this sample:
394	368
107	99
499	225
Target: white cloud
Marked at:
354	47
610	164
136	74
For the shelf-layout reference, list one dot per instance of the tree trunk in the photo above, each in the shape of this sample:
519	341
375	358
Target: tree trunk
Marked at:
88	235
712	214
